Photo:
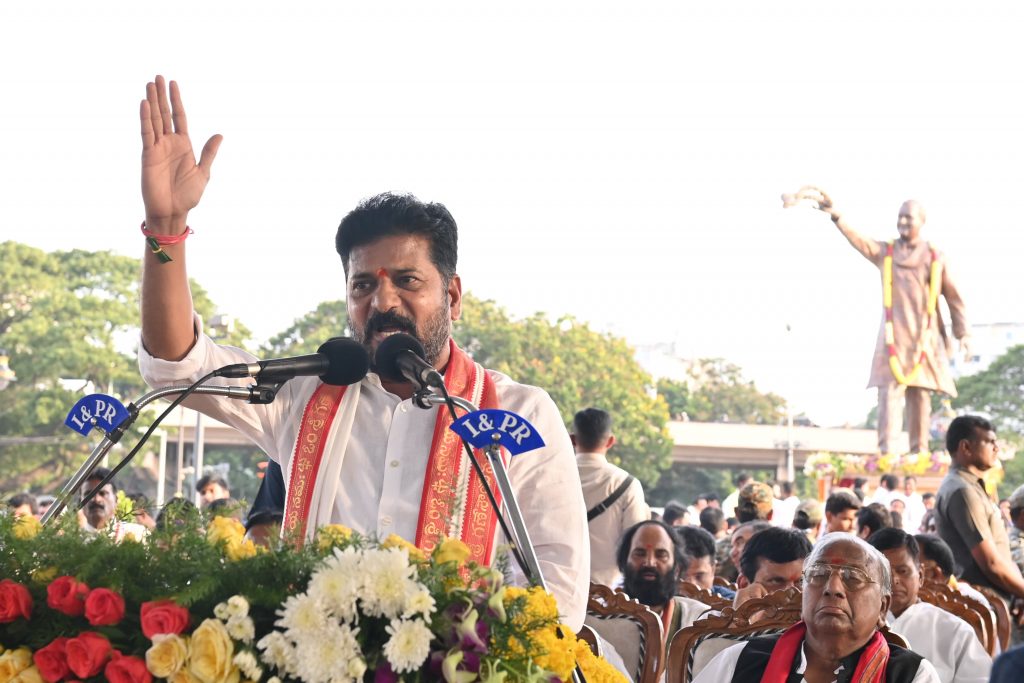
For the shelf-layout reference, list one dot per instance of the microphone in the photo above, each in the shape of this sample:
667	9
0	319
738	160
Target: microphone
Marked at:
338	361
400	357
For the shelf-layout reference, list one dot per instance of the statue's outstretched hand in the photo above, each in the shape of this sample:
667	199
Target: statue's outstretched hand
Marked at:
172	181
812	195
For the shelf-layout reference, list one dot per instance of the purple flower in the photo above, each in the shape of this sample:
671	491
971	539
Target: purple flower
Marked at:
384	674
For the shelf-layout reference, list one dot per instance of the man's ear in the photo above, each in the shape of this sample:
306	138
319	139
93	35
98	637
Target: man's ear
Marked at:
455	297
886	600
572	438
610	442
741	581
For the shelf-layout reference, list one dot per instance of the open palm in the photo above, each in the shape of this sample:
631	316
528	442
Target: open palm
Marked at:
172	181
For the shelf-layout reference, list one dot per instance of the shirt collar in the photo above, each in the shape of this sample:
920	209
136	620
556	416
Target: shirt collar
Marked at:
592	457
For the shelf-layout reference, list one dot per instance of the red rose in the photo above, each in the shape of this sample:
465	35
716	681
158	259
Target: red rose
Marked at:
52	660
163	616
104	607
87	653
123	669
66	595
15	601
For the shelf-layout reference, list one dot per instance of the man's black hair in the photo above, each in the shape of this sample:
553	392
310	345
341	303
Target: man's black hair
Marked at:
890	482
964	427
673	510
939	552
775	544
892	538
927	496
711	497
786	487
176	512
387	214
742	478
873	517
96	476
19	499
591	427
712	520
840	501
212	478
697	542
678	554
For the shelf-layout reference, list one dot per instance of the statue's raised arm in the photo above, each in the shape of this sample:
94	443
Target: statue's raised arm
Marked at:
172	184
817	198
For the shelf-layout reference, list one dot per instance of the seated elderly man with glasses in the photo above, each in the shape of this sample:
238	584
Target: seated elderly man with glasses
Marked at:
847	591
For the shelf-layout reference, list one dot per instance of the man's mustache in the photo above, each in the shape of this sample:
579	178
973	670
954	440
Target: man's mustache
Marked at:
389	319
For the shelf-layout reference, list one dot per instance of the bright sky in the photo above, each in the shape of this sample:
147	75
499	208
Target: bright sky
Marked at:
621	162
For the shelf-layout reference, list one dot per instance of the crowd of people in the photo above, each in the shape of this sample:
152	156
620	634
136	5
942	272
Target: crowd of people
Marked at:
761	538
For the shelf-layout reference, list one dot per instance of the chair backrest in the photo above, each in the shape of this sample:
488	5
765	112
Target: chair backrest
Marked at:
980	617
694	646
694	592
1002	612
631	628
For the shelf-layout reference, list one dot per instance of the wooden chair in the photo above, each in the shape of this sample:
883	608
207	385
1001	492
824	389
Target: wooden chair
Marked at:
725	583
692	591
631	628
1002	612
980	617
693	647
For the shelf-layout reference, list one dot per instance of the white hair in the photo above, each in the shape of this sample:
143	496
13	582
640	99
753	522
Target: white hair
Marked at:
876	557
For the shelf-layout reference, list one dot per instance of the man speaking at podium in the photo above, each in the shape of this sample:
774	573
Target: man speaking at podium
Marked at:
364	455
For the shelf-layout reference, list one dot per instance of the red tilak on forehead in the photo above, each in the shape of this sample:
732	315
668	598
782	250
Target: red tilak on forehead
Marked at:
836	560
382	272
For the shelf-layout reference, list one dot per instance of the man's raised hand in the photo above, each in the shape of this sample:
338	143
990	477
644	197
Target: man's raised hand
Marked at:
172	181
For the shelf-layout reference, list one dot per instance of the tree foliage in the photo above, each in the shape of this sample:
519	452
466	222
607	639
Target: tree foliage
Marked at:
579	368
308	332
65	315
716	392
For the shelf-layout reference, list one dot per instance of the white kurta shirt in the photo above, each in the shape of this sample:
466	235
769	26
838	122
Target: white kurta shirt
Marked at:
385	464
599	478
722	667
944	639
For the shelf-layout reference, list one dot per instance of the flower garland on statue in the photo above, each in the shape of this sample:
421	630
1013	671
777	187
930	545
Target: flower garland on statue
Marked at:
934	285
207	606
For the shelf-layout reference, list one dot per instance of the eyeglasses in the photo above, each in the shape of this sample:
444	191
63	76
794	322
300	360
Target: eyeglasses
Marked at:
853	578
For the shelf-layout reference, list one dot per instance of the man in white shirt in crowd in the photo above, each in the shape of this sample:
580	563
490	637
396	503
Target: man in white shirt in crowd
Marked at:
915	505
886	490
729	504
785	508
614	498
372	459
944	639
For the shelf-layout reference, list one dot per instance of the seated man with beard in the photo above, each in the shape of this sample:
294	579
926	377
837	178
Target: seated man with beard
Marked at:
946	640
651	560
847	592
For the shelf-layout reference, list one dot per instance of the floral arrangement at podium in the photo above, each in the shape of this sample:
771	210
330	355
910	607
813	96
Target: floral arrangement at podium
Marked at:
204	605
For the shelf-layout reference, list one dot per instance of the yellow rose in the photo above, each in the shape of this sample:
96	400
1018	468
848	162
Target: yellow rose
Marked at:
452	550
183	676
224	529
240	549
167	655
26	527
29	675
396	541
331	535
13	662
212	654
44	574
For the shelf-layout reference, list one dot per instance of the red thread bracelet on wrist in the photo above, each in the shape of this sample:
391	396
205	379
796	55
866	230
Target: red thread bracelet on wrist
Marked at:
165	240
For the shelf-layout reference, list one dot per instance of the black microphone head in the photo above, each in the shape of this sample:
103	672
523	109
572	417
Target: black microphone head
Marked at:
349	361
385	360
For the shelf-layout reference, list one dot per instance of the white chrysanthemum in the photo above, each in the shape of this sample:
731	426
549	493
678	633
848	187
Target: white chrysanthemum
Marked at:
274	679
278	651
249	666
356	668
238	606
324	657
221	611
408	646
301	615
388	582
338	583
421	602
242	629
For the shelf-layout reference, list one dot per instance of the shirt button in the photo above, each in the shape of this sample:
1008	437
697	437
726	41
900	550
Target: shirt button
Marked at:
394	463
385	521
404	408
